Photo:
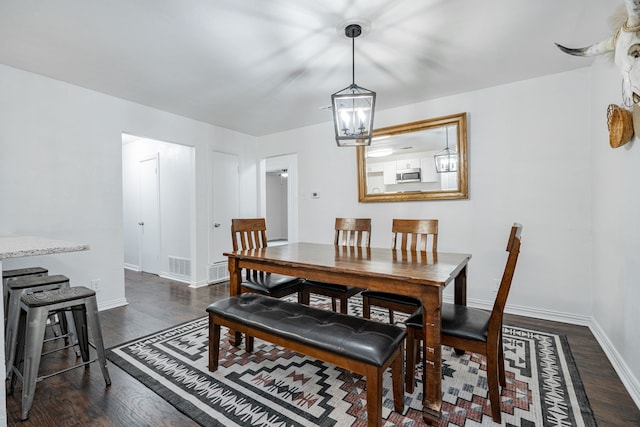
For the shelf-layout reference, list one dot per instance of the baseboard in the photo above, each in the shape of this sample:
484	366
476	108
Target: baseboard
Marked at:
112	304
629	381
131	267
519	310
199	284
175	277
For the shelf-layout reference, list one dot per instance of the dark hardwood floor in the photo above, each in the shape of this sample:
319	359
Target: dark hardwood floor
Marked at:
80	398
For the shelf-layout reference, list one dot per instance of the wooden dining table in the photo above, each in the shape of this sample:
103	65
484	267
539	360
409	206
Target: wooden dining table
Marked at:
419	274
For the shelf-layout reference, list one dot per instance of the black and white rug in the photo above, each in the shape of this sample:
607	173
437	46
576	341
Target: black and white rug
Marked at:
274	386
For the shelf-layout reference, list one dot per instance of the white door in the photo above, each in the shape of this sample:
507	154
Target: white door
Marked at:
149	222
225	203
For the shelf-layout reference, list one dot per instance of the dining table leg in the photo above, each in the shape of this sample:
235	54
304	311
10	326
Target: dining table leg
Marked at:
235	279
460	290
432	354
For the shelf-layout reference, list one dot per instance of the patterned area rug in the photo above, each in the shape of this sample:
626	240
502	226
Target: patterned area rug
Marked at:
274	386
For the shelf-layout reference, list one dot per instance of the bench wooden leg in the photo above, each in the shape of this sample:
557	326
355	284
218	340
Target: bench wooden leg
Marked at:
214	345
374	396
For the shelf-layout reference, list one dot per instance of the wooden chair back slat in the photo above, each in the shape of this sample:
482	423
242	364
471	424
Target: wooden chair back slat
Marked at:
414	234
248	233
353	232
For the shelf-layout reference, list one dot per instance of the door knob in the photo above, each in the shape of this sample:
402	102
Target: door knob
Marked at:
216	224
141	223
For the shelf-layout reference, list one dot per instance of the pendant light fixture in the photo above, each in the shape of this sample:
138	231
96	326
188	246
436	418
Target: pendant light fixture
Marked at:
353	106
447	159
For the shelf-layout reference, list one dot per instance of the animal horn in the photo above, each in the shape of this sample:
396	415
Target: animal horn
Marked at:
595	49
633	12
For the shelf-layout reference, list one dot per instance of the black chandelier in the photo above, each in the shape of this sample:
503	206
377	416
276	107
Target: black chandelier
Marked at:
446	159
353	106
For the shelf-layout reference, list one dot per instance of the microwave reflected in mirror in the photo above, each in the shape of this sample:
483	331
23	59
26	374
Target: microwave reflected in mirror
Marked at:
408	175
400	163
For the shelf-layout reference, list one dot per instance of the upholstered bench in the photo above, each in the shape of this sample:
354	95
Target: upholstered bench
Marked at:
363	346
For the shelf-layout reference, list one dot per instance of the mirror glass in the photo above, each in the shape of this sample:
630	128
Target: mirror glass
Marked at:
399	165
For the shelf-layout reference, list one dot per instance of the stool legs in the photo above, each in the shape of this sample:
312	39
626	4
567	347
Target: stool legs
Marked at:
94	324
36	321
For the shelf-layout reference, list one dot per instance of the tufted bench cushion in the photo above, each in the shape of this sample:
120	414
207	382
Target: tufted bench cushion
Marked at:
363	346
354	337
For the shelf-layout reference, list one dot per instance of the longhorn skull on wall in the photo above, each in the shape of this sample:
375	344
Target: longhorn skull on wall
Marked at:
625	44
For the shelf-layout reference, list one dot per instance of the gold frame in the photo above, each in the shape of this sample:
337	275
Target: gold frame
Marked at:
462	192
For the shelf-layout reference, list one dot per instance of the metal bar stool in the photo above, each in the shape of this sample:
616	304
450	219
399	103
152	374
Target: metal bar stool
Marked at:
14	274
16	288
34	311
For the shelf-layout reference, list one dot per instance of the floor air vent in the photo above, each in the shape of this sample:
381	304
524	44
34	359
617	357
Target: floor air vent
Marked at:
218	272
180	266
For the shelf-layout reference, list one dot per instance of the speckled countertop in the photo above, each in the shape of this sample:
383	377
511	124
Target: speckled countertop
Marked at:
20	246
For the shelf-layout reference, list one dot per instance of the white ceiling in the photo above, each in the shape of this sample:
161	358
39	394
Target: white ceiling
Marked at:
263	66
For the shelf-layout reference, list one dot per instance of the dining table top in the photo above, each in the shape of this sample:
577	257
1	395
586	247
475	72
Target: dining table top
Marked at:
435	268
15	246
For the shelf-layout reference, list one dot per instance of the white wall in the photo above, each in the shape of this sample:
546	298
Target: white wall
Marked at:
529	162
61	173
616	234
539	155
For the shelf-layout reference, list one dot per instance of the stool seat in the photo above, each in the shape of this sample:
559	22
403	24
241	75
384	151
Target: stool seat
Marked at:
40	299
30	281
28	271
16	289
80	303
10	275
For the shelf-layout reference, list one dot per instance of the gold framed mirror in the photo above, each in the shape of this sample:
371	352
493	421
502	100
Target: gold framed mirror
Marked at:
400	166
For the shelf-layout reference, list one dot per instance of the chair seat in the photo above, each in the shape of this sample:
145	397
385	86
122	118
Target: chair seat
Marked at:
268	283
458	321
333	287
385	296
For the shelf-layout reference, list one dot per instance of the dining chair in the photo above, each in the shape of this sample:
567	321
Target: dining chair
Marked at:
471	329
408	235
251	233
352	233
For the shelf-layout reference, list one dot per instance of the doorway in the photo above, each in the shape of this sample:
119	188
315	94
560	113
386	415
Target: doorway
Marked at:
158	180
277	196
279	205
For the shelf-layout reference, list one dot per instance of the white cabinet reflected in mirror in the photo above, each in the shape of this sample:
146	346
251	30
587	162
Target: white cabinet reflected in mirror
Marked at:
411	161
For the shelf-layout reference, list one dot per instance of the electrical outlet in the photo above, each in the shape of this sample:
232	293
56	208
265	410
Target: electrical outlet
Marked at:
95	285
